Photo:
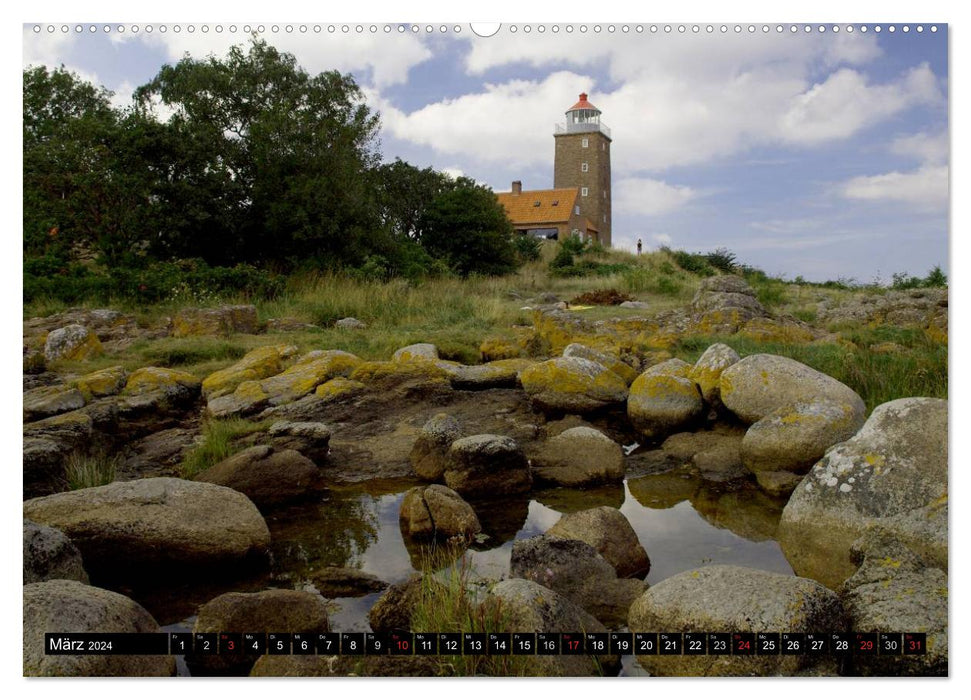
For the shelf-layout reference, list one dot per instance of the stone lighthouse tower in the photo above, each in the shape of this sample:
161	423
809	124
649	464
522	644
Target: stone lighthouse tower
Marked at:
582	160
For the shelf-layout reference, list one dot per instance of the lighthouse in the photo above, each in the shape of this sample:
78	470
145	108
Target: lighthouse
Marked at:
582	160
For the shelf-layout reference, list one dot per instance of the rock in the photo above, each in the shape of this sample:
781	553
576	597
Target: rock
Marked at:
344	666
418	351
295	382
392	611
268	477
50	554
72	342
780	484
151	525
344	582
159	454
223	320
488	376
790	331
634	305
170	385
663	400
614	364
71	606
759	384
350	324
894	590
575	570
722	305
573	385
437	512
487	465
288	325
46	445
579	457
793	437
531	607
267	611
707	371
104	382
46	401
34	361
610	533
259	363
737	599
892	473
338	388
428	456
312	440
393	374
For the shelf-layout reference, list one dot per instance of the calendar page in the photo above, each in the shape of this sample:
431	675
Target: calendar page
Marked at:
547	349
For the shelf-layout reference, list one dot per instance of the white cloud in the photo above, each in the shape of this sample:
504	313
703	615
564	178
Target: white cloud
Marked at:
926	148
662	238
46	48
388	56
926	187
844	104
454	173
647	197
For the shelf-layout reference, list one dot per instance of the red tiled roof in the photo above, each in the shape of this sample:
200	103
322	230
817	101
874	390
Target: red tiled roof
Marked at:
537	206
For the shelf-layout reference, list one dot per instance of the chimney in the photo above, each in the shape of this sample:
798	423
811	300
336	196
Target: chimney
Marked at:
517	186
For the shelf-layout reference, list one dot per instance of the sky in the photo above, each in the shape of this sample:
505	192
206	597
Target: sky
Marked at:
816	154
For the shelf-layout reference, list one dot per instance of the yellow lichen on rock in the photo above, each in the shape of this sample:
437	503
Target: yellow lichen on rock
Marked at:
259	363
499	349
149	379
340	386
769	330
104	382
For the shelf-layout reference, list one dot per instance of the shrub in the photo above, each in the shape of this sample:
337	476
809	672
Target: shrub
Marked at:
574	245
528	248
722	259
602	297
695	263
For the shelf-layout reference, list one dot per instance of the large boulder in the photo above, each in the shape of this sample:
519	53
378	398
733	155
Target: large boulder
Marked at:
310	439
793	437
47	444
530	607
573	385
579	456
256	364
50	554
734	599
155	525
393	610
71	606
73	342
428	455
267	611
663	400
892	473
487	465
492	375
104	382
268	477
757	385
418	351
223	320
895	591
437	511
723	304
715	454
614	364
707	371
163	384
575	570
46	401
610	533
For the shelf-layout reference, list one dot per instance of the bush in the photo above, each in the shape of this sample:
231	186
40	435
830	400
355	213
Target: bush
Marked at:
722	259
528	248
935	278
695	263
602	297
574	245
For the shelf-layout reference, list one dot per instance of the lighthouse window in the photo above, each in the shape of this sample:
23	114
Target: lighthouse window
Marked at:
583	191
584	167
586	143
576	210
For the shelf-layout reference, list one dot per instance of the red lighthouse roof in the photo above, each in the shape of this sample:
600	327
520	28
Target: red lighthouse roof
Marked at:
582	104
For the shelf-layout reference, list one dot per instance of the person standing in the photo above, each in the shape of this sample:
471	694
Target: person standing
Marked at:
639	244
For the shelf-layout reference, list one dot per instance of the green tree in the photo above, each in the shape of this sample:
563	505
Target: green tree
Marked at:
469	229
403	193
286	155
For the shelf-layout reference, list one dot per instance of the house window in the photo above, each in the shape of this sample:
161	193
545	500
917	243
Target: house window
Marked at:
584	167
583	191
604	144
586	142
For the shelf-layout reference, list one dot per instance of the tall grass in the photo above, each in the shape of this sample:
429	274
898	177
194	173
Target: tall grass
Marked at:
219	441
448	603
84	471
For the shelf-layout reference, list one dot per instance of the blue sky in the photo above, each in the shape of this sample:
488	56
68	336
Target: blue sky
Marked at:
816	154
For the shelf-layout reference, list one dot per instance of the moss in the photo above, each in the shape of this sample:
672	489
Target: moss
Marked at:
104	382
337	387
259	363
148	379
499	349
